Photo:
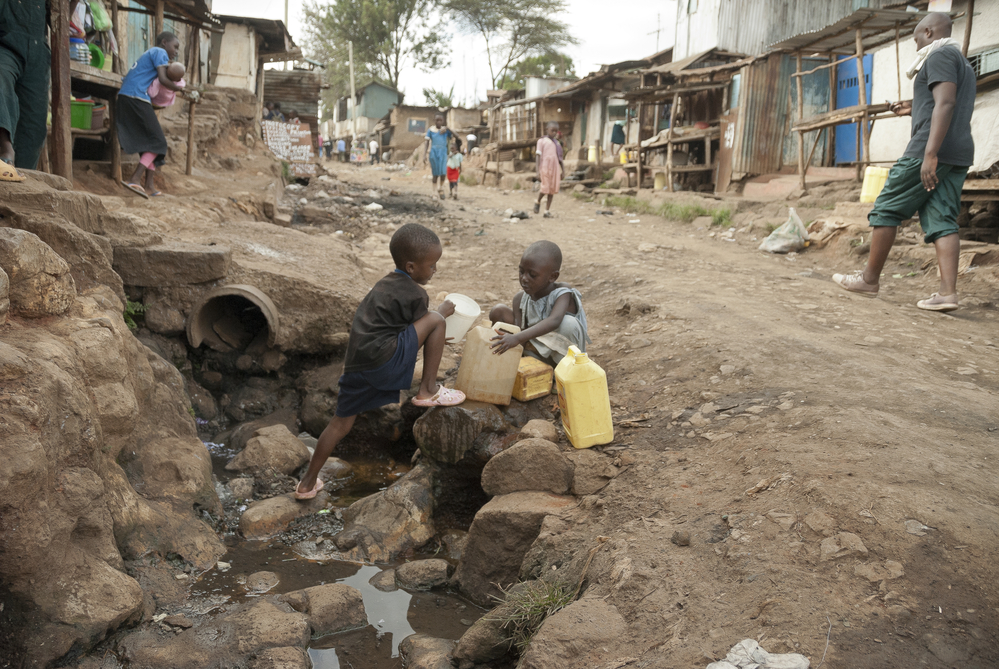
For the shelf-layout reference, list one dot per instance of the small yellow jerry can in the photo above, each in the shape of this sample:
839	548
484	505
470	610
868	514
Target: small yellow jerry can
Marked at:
482	375
534	379
583	400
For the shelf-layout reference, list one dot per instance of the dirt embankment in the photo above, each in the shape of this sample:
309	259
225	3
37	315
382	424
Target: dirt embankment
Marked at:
830	456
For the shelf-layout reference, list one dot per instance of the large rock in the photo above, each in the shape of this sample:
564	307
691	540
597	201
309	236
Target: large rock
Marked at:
446	434
171	263
539	428
380	527
268	517
582	635
422	574
500	536
531	464
238	437
486	641
329	608
420	651
592	471
842	545
79	389
281	658
246	632
40	281
273	448
88	255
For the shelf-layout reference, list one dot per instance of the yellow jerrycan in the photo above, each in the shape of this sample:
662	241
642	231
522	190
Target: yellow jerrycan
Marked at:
484	376
583	400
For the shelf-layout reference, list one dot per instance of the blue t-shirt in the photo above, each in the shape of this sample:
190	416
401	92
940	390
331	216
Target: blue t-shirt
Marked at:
341	145
143	73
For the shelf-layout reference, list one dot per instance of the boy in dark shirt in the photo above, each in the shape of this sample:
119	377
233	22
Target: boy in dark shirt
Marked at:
930	174
391	324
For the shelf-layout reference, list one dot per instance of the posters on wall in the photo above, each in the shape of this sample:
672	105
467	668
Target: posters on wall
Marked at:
291	143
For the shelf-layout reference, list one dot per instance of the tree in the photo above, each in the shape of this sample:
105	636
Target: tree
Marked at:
438	98
387	35
553	64
513	29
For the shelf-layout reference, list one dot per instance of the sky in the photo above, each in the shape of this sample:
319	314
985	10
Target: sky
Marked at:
604	37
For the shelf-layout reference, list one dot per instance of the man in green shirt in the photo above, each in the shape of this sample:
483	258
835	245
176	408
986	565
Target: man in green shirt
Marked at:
930	174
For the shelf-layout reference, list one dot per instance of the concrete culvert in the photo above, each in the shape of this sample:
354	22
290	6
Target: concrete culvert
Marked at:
232	317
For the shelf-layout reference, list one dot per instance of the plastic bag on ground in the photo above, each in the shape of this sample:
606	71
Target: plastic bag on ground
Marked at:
747	654
787	238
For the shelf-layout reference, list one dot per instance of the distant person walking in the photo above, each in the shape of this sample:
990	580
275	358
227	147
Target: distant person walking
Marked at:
341	150
328	147
930	174
549	166
373	150
435	152
454	167
139	130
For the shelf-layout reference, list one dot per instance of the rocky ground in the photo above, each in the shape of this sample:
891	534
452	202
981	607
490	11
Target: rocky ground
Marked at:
792	464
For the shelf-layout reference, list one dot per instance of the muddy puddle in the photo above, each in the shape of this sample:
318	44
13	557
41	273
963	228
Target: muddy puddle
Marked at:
392	616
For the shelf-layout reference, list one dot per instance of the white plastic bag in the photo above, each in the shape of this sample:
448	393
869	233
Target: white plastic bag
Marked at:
789	237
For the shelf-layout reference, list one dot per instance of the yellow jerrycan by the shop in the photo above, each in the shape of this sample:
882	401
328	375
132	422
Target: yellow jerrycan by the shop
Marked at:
583	400
484	376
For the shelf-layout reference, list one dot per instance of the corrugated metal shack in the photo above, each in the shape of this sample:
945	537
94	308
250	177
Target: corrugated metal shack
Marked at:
297	90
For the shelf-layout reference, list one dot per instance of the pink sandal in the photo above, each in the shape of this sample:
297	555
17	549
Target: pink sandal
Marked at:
443	398
312	493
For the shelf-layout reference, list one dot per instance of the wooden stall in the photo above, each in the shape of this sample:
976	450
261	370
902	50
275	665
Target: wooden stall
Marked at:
70	76
693	95
850	38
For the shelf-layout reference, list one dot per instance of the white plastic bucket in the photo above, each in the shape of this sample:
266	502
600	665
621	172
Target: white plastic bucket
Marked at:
466	312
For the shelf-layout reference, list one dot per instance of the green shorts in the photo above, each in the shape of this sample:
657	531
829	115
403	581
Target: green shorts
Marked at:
904	195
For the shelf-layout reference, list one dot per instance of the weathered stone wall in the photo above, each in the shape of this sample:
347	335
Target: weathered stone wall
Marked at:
99	457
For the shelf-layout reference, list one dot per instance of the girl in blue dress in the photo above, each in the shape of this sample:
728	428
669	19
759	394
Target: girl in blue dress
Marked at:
435	152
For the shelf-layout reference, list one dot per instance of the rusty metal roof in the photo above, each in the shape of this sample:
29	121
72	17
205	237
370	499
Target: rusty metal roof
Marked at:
197	11
876	25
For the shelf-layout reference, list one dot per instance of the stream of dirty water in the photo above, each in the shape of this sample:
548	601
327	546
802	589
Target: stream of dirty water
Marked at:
392	616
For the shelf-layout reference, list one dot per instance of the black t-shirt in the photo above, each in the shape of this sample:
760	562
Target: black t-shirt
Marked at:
944	64
393	304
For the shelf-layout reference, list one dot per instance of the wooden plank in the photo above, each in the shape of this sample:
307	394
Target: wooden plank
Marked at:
838	116
638	155
865	135
89	132
822	67
62	140
116	68
692	168
158	19
109	81
669	145
981	184
830	136
967	29
802	168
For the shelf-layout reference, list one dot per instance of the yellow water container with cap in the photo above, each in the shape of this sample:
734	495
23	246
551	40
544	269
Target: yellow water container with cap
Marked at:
484	376
583	400
874	182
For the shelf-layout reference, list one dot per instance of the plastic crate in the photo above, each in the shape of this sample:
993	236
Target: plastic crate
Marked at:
81	114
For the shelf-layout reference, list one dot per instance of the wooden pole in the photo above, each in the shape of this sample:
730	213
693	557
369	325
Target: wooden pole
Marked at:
864	135
830	136
158	19
967	28
802	168
116	67
191	148
669	141
638	154
62	138
898	65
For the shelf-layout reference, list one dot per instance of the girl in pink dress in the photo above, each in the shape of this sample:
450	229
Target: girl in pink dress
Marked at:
550	168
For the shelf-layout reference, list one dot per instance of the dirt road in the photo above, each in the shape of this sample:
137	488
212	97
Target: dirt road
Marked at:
832	457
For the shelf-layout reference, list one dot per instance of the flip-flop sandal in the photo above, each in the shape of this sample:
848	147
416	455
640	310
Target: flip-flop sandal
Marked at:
443	398
156	193
937	306
441	193
537	207
312	493
9	173
136	188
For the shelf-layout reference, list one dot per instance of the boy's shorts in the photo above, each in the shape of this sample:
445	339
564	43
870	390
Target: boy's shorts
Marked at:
453	174
364	391
904	195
